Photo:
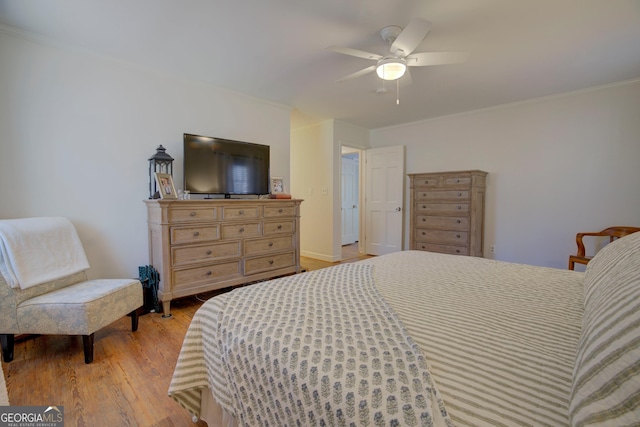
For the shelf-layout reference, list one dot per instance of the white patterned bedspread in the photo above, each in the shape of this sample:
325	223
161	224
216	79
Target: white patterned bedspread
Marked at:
322	348
499	340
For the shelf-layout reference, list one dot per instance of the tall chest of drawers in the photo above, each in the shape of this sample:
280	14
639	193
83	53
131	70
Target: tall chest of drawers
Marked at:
202	245
447	212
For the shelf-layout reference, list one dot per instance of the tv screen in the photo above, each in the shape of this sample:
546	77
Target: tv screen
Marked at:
222	166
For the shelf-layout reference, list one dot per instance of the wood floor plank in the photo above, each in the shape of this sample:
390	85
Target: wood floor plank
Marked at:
127	383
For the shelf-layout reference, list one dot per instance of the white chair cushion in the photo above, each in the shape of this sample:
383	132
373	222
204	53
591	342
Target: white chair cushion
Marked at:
81	308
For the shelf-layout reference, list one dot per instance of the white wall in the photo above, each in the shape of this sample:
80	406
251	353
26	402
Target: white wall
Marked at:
76	131
557	166
312	180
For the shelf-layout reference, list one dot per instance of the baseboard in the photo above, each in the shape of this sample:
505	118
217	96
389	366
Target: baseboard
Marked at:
321	257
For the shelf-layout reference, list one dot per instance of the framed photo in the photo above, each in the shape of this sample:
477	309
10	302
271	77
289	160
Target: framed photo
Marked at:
277	185
165	186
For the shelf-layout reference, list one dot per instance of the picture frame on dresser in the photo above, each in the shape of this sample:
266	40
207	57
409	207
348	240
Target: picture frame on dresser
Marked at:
277	185
166	188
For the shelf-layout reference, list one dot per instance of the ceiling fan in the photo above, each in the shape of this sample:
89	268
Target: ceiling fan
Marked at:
401	45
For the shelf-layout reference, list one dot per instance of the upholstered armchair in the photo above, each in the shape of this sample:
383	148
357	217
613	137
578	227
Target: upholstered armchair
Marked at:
67	305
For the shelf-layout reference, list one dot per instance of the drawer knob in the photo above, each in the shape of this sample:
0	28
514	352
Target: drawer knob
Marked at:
426	181
279	227
209	273
423	233
209	252
192	213
422	247
458	236
423	220
196	234
270	262
457	180
280	210
241	230
459	194
459	207
457	251
424	194
241	212
458	221
424	206
270	244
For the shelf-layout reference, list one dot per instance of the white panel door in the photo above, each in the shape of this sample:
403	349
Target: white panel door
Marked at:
384	198
349	201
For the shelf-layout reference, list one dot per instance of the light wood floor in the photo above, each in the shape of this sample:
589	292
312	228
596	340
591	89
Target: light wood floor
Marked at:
127	383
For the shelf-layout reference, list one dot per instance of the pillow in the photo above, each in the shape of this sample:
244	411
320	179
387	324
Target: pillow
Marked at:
606	376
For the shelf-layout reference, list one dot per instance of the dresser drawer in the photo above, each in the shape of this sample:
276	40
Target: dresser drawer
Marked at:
195	214
442	236
443	249
279	211
234	231
270	262
240	212
194	234
442	195
182	255
274	244
442	208
215	272
450	181
443	222
272	227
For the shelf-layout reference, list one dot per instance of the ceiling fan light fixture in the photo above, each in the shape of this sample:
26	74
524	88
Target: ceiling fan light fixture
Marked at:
391	68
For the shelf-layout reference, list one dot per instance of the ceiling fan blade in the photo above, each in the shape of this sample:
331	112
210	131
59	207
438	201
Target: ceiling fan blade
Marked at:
410	37
436	58
355	52
358	73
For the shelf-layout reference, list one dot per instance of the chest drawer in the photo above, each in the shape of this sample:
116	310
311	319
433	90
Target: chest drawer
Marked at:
279	211
269	262
442	195
450	181
195	214
183	255
428	182
278	227
442	208
443	249
258	246
446	222
194	234
442	236
234	231
240	212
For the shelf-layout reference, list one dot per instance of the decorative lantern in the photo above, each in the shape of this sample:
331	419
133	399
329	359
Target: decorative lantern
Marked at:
159	162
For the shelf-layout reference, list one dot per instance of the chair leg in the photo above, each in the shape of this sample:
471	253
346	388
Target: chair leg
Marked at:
134	320
87	342
7	342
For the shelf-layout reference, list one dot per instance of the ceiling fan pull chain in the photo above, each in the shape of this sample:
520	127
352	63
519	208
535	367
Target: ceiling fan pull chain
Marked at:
398	92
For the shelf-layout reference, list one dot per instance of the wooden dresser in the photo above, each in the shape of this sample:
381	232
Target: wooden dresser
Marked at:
447	212
202	245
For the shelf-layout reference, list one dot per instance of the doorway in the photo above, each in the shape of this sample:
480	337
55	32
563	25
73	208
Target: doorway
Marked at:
350	202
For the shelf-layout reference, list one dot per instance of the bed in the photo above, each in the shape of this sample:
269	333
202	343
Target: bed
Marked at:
419	338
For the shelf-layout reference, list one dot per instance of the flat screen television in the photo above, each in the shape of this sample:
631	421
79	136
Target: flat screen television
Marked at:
223	166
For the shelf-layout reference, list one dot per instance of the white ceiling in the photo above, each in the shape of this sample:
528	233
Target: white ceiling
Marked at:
276	49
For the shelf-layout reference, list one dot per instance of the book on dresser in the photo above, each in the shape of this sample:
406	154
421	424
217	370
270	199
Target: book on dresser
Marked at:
447	212
204	245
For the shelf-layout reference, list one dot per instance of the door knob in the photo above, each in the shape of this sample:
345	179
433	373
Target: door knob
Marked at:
398	209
